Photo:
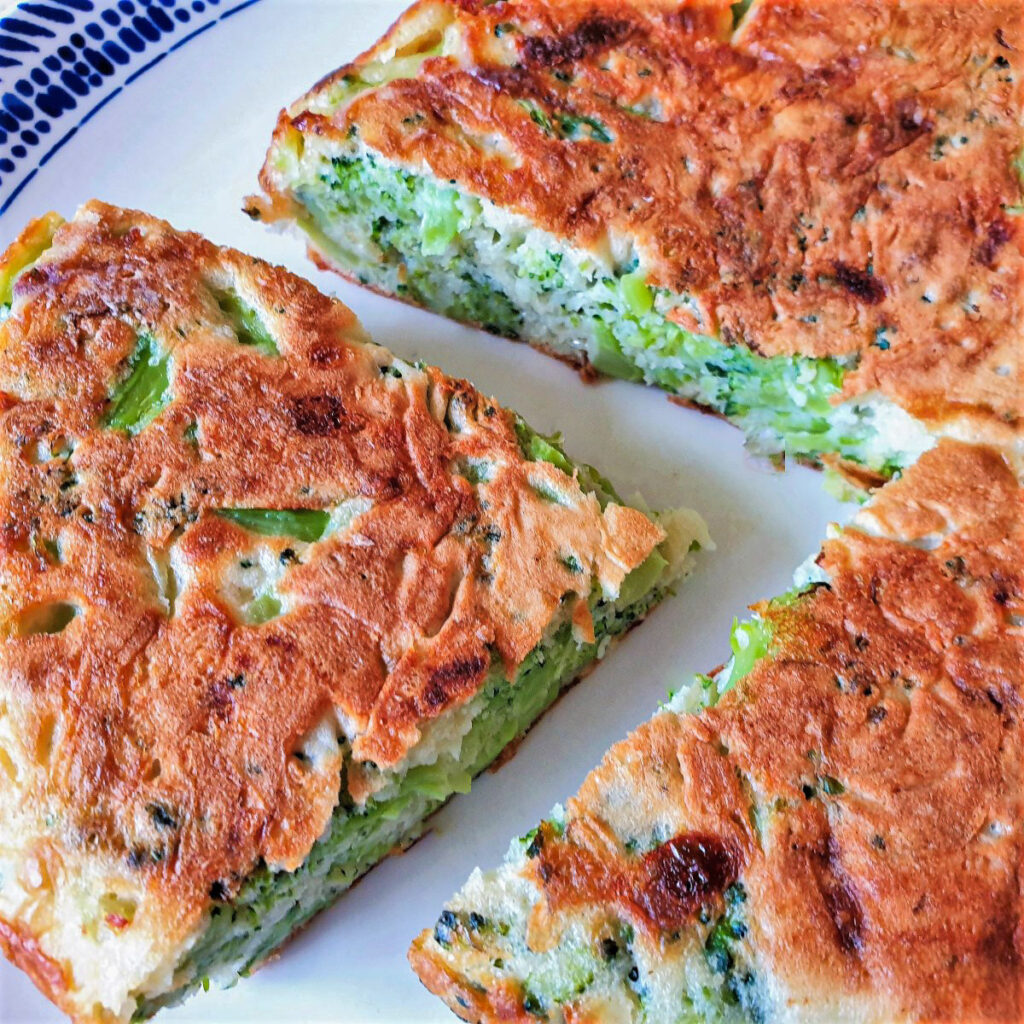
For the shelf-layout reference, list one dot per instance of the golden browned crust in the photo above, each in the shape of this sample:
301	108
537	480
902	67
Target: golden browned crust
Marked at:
832	180
157	732
863	781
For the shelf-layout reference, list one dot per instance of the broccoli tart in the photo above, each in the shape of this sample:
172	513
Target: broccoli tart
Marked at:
802	222
269	595
829	828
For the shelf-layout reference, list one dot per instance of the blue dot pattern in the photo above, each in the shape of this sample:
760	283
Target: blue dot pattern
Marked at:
60	60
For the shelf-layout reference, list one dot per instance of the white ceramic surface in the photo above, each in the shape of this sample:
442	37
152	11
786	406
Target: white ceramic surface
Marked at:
184	141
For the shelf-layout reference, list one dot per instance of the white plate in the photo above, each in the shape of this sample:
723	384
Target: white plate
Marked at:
184	140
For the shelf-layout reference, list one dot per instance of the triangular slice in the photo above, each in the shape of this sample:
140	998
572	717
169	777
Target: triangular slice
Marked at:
269	595
838	836
807	223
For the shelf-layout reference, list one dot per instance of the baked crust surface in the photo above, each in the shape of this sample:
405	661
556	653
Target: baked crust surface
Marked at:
830	180
150	744
863	783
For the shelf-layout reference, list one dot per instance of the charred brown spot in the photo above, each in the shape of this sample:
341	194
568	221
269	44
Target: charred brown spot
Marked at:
376	485
997	235
840	897
591	34
516	81
678	877
284	644
220	701
844	910
449	678
162	816
319	415
1001	40
997	944
910	124
912	121
859	283
581	211
664	889
993	699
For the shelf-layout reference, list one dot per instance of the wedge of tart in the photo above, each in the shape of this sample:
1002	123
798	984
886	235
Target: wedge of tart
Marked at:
269	595
828	829
803	221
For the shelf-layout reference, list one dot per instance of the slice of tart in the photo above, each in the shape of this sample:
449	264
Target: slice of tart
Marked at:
828	829
269	595
806	221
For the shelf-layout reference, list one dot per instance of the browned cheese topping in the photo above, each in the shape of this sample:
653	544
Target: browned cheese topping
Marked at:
834	179
158	705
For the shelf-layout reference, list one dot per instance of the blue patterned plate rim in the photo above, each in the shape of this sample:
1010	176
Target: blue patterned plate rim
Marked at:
61	61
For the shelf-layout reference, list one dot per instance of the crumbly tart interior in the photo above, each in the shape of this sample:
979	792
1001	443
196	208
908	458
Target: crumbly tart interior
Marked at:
808	221
268	596
829	829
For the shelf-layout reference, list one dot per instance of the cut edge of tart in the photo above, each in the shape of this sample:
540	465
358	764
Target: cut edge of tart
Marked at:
807	224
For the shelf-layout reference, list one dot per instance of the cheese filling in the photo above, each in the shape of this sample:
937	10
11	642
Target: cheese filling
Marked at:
407	233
